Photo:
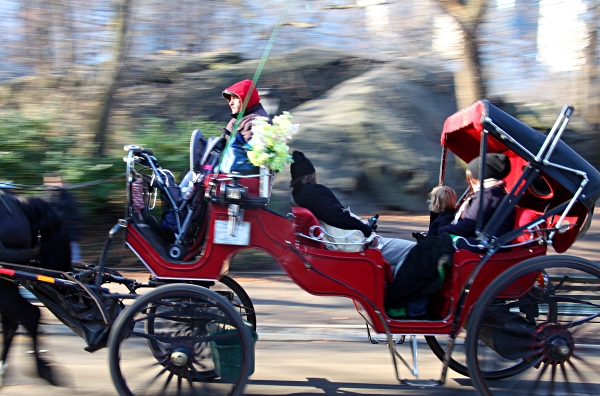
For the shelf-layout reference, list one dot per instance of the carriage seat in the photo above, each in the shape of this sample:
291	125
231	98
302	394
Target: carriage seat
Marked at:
522	217
304	219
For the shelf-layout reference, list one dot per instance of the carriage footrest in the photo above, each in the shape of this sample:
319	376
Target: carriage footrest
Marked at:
419	382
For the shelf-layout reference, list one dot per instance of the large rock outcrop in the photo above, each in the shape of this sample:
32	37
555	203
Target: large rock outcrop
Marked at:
378	135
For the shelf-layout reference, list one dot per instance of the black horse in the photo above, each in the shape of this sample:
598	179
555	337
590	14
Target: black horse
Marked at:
30	232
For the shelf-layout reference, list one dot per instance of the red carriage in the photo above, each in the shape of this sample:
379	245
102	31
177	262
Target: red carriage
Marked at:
511	312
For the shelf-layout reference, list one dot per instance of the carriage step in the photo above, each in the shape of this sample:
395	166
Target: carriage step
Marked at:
419	382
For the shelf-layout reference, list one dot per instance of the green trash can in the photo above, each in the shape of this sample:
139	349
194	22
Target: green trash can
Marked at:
227	352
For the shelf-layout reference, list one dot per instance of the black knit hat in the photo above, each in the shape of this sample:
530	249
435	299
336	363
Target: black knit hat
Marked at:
497	166
301	165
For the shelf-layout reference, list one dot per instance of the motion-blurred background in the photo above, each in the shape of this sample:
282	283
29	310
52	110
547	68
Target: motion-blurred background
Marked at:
369	81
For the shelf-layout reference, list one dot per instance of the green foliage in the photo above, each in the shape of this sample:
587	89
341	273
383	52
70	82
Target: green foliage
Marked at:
31	148
22	147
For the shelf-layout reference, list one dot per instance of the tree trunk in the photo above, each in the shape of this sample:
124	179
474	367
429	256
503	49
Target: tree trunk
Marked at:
468	79
111	73
468	75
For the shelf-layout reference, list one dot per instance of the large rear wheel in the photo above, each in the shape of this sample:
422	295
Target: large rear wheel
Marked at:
458	358
180	340
553	327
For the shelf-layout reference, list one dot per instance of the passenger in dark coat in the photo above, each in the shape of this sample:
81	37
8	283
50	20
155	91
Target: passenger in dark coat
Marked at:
442	203
465	222
321	201
325	206
421	274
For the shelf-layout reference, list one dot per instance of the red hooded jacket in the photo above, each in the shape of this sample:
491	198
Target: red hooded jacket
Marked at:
241	90
235	158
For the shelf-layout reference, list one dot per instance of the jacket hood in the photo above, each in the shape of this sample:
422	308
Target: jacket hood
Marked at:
242	89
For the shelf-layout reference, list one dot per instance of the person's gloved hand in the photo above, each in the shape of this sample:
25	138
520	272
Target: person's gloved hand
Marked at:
374	240
419	236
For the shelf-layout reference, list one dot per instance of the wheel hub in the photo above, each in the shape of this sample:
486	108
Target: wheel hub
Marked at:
557	341
179	358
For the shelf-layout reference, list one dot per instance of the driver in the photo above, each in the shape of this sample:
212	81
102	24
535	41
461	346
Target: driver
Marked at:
321	201
235	159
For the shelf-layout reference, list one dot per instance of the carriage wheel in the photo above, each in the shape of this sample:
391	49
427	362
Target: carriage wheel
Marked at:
458	359
195	335
554	327
237	296
232	292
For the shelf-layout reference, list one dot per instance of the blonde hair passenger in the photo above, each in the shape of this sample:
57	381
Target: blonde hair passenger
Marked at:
441	199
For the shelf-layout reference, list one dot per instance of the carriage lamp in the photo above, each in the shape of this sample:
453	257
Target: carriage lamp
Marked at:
235	192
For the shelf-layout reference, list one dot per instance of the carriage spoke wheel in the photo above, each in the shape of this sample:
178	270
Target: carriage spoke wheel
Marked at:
458	360
237	296
553	326
180	339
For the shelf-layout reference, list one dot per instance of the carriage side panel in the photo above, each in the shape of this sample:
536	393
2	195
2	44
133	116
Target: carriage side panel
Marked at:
444	302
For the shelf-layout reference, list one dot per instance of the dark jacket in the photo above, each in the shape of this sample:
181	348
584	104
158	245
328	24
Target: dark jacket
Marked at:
466	225
442	219
65	206
321	201
421	272
239	147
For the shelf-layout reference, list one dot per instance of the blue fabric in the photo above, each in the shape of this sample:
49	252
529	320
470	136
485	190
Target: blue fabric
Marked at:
239	149
418	307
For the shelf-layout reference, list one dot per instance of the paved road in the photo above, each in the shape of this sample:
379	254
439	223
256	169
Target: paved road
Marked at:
307	345
282	368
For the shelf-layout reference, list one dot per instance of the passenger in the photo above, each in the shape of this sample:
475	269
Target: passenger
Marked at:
442	204
321	201
235	159
497	167
423	271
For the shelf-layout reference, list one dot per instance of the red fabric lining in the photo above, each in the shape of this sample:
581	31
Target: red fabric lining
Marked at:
522	217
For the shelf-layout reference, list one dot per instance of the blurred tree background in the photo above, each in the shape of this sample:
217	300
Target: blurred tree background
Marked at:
78	80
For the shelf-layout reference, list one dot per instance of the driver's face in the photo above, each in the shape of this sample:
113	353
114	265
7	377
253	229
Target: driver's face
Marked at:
235	103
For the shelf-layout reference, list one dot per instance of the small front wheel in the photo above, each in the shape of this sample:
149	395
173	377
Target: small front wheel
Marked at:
176	252
549	326
180	339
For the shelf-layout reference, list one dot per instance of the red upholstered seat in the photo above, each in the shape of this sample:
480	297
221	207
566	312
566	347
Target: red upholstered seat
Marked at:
303	220
524	216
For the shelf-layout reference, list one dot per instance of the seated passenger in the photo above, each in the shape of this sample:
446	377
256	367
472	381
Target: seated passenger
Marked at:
464	223
235	159
442	203
321	201
423	271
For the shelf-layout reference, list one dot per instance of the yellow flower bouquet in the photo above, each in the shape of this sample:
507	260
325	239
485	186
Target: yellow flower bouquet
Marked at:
268	141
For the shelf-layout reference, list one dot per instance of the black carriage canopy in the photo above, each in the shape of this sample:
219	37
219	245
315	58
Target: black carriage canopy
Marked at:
462	134
561	176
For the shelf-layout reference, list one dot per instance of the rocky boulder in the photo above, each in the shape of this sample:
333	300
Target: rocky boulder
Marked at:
376	137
